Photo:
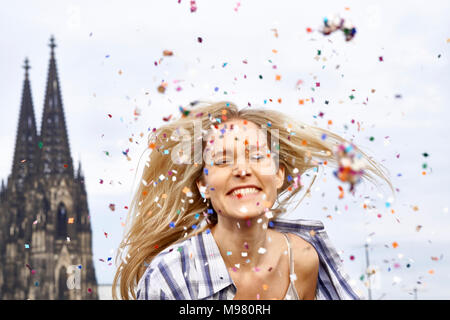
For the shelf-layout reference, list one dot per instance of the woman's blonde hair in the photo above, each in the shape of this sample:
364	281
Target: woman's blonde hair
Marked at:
164	212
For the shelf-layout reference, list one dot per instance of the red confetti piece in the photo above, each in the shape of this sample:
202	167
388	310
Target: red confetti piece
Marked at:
341	195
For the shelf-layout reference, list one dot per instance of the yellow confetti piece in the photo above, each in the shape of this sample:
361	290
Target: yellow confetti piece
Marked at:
265	287
278	77
71	220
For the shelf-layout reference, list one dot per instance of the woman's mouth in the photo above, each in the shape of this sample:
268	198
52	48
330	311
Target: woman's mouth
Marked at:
245	193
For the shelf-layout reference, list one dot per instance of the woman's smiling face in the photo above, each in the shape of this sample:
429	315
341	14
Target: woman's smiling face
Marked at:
240	174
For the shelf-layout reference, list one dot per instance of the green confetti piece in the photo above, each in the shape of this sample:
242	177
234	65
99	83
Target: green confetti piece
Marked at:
371	138
40	144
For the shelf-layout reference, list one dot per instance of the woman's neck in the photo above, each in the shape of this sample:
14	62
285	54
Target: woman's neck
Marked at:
243	244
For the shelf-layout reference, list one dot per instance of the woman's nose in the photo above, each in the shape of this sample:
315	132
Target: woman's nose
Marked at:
241	171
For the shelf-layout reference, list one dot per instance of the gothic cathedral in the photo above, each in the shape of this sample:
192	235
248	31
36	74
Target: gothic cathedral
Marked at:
45	229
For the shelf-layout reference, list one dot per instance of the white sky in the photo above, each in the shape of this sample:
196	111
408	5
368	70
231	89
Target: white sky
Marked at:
105	58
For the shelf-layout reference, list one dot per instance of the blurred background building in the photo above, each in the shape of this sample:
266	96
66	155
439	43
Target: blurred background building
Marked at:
45	228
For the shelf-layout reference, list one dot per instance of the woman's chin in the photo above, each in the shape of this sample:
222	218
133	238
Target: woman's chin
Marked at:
244	212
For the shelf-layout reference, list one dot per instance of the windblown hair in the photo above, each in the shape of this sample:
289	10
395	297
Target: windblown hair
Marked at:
159	200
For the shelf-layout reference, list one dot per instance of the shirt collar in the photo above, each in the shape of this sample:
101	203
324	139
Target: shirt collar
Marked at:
219	277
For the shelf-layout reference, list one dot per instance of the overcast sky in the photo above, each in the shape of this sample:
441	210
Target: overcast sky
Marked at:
396	68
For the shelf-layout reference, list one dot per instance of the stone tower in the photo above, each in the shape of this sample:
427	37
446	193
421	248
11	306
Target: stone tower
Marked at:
45	229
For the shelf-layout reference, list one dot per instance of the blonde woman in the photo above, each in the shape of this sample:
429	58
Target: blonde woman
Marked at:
206	224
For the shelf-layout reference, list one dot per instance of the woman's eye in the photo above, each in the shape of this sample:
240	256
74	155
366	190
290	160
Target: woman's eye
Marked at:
222	161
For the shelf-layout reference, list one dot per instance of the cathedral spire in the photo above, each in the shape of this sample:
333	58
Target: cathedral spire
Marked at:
25	153
80	171
55	153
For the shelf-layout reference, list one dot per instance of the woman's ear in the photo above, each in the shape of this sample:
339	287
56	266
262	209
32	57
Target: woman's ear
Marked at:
202	188
280	177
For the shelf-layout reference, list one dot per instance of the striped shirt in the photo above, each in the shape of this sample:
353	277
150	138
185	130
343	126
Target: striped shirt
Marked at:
194	269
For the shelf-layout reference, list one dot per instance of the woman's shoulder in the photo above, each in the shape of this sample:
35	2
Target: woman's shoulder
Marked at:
306	258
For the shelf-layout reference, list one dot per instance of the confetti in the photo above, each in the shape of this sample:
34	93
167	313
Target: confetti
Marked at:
338	23
112	206
351	166
162	87
193	6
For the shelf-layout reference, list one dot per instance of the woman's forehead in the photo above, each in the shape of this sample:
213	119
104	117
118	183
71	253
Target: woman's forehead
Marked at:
237	131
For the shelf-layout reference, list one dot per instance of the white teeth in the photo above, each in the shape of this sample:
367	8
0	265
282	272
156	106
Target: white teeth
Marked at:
245	191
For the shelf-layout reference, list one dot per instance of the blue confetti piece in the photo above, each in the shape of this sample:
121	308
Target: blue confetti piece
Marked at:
208	231
224	65
197	215
324	136
210	211
216	89
166	151
349	148
205	171
172	225
194	226
289	178
271	224
387	204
